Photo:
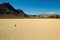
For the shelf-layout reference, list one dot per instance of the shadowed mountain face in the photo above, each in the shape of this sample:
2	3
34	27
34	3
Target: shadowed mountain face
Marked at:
6	10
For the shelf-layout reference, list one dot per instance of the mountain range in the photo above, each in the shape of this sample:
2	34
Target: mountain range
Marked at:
8	11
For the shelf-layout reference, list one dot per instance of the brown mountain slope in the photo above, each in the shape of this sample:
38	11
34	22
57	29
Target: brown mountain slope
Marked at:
7	11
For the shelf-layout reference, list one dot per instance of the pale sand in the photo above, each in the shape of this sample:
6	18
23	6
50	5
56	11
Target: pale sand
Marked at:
30	29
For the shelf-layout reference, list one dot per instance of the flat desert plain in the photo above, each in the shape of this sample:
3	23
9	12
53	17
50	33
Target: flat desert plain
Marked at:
29	29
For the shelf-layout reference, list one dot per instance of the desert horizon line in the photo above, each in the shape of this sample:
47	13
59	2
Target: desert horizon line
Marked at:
8	11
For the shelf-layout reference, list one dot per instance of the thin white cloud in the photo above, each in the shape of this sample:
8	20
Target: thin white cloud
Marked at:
51	12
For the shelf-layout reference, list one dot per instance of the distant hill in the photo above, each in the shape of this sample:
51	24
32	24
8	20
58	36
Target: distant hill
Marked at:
7	11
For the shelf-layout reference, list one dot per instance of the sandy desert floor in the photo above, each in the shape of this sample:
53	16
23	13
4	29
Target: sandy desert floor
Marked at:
30	29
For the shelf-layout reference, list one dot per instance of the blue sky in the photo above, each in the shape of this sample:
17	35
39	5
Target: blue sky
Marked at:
36	6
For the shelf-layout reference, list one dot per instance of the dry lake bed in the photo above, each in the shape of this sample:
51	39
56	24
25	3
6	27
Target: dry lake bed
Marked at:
29	29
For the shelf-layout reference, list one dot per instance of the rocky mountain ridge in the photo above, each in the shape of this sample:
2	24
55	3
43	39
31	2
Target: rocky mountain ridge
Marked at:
8	11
